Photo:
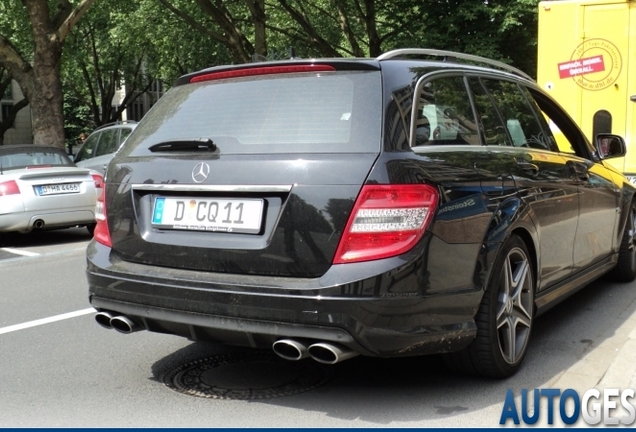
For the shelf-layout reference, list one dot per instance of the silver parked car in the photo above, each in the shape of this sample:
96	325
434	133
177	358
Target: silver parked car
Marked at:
101	145
40	188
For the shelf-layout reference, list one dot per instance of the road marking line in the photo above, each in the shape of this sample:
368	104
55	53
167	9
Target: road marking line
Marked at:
20	252
43	321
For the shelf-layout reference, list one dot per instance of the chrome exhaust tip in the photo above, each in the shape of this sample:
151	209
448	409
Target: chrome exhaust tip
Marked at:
328	353
290	349
125	325
103	319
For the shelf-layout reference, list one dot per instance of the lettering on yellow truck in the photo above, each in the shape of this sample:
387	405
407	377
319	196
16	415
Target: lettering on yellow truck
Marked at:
587	62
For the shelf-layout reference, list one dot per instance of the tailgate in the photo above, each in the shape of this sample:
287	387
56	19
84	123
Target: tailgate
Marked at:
275	215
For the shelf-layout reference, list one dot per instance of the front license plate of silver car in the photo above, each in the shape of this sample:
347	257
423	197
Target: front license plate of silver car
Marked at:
208	214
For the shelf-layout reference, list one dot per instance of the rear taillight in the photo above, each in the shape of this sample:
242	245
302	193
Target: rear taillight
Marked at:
386	220
267	70
9	188
102	233
99	181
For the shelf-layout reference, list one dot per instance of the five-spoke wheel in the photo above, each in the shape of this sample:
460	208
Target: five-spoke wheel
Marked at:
514	306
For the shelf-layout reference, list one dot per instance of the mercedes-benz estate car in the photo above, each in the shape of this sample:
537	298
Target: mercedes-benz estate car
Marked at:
40	188
417	203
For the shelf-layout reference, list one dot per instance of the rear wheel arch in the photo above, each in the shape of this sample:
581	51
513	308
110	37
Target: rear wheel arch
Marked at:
527	238
625	269
505	315
530	243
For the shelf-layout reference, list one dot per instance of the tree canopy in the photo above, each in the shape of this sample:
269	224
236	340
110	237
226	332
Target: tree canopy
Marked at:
71	56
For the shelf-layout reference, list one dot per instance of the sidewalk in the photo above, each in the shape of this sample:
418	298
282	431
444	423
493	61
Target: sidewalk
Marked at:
610	364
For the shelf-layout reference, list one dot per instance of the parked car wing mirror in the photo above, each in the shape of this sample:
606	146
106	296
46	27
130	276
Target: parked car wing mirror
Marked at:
610	146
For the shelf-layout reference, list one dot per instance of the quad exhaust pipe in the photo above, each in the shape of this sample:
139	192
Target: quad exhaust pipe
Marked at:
121	323
322	352
289	349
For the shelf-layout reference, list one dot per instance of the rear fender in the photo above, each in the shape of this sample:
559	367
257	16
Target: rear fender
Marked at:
627	200
511	217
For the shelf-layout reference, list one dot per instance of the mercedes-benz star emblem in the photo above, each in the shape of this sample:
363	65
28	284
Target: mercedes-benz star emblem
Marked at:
201	172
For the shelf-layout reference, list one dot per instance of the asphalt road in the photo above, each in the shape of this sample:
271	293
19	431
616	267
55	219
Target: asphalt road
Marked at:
58	368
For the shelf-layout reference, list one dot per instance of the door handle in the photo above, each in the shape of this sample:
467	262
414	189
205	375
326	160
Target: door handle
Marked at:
632	98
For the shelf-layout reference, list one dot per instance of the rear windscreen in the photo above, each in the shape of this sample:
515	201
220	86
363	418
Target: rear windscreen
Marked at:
19	159
332	112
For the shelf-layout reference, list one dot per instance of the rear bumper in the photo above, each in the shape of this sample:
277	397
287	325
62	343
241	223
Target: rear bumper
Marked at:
25	220
256	311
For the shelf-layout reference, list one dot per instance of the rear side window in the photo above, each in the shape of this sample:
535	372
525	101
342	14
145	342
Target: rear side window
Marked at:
88	149
107	143
123	134
327	112
444	114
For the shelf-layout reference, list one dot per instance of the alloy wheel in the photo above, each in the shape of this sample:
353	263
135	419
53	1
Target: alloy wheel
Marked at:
514	306
631	232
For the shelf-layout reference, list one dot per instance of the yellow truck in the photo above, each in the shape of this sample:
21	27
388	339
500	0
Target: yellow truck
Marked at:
587	62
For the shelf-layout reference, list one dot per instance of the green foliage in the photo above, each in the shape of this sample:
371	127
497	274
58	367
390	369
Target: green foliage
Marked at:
500	29
176	48
15	26
102	53
76	119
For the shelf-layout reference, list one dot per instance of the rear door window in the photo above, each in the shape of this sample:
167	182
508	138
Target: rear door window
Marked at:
328	112
508	115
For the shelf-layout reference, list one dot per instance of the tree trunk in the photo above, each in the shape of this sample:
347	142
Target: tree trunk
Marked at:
375	42
257	9
47	107
46	99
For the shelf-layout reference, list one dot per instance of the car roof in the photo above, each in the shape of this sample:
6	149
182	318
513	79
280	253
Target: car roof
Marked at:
422	57
115	125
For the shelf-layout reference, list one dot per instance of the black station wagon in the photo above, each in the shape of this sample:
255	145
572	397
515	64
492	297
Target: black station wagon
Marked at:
416	203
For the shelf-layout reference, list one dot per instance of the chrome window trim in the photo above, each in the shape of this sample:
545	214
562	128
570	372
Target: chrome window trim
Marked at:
211	188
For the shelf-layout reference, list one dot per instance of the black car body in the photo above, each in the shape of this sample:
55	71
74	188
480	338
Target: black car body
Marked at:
421	202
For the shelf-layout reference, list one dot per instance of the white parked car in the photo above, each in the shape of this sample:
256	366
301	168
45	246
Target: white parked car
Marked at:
40	188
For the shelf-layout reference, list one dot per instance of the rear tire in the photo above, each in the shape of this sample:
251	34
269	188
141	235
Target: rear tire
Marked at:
625	270
504	318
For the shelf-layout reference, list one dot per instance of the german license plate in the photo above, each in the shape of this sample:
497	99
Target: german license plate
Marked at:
208	214
56	189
